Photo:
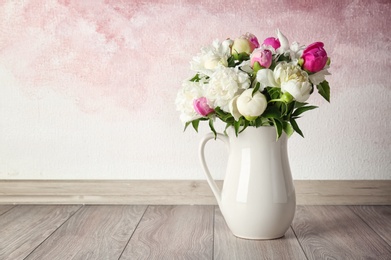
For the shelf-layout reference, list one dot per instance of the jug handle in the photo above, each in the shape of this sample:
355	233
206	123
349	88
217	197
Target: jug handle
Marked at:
216	191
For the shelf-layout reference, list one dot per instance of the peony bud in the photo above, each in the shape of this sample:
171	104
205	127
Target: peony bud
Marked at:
201	106
245	43
251	106
315	57
253	40
263	57
240	45
271	41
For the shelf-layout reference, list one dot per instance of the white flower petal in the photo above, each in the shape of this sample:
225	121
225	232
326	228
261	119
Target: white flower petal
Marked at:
250	105
319	76
266	79
233	108
283	41
211	56
225	83
184	100
300	91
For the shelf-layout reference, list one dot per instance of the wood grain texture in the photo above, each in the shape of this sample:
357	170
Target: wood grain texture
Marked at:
378	218
343	192
92	233
181	192
23	228
173	232
336	232
186	232
227	246
135	192
5	208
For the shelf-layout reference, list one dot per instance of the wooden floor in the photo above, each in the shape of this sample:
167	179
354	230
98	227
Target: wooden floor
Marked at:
187	232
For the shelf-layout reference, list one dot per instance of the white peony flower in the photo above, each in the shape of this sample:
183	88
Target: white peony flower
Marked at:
296	51
293	51
245	66
251	106
224	84
294	80
300	91
319	76
265	77
185	97
289	77
210	57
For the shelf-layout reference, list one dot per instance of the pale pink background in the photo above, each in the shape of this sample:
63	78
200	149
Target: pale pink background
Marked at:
87	88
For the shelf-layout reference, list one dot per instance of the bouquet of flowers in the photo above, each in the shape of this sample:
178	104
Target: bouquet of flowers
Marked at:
244	83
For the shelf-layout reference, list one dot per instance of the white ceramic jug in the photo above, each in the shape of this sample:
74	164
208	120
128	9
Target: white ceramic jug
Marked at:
258	198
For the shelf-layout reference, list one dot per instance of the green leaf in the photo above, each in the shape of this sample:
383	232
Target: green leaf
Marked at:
224	116
296	127
240	56
228	125
301	110
243	56
257	86
288	129
196	78
324	90
278	126
284	108
237	126
245	125
195	124
231	61
273	92
212	128
258	122
186	125
290	108
272	112
300	104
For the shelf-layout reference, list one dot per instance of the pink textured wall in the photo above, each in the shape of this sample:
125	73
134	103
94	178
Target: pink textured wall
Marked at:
90	85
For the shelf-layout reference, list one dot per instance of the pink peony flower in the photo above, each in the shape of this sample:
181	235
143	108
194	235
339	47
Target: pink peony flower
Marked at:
263	57
315	57
201	106
271	41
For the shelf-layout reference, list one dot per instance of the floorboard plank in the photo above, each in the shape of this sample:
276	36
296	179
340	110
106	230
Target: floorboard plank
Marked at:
378	218
23	228
227	246
173	232
94	232
5	208
336	232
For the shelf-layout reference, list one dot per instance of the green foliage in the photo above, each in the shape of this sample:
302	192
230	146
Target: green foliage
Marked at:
301	110
256	89
237	58
212	128
195	124
196	78
296	127
324	90
231	61
278	113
